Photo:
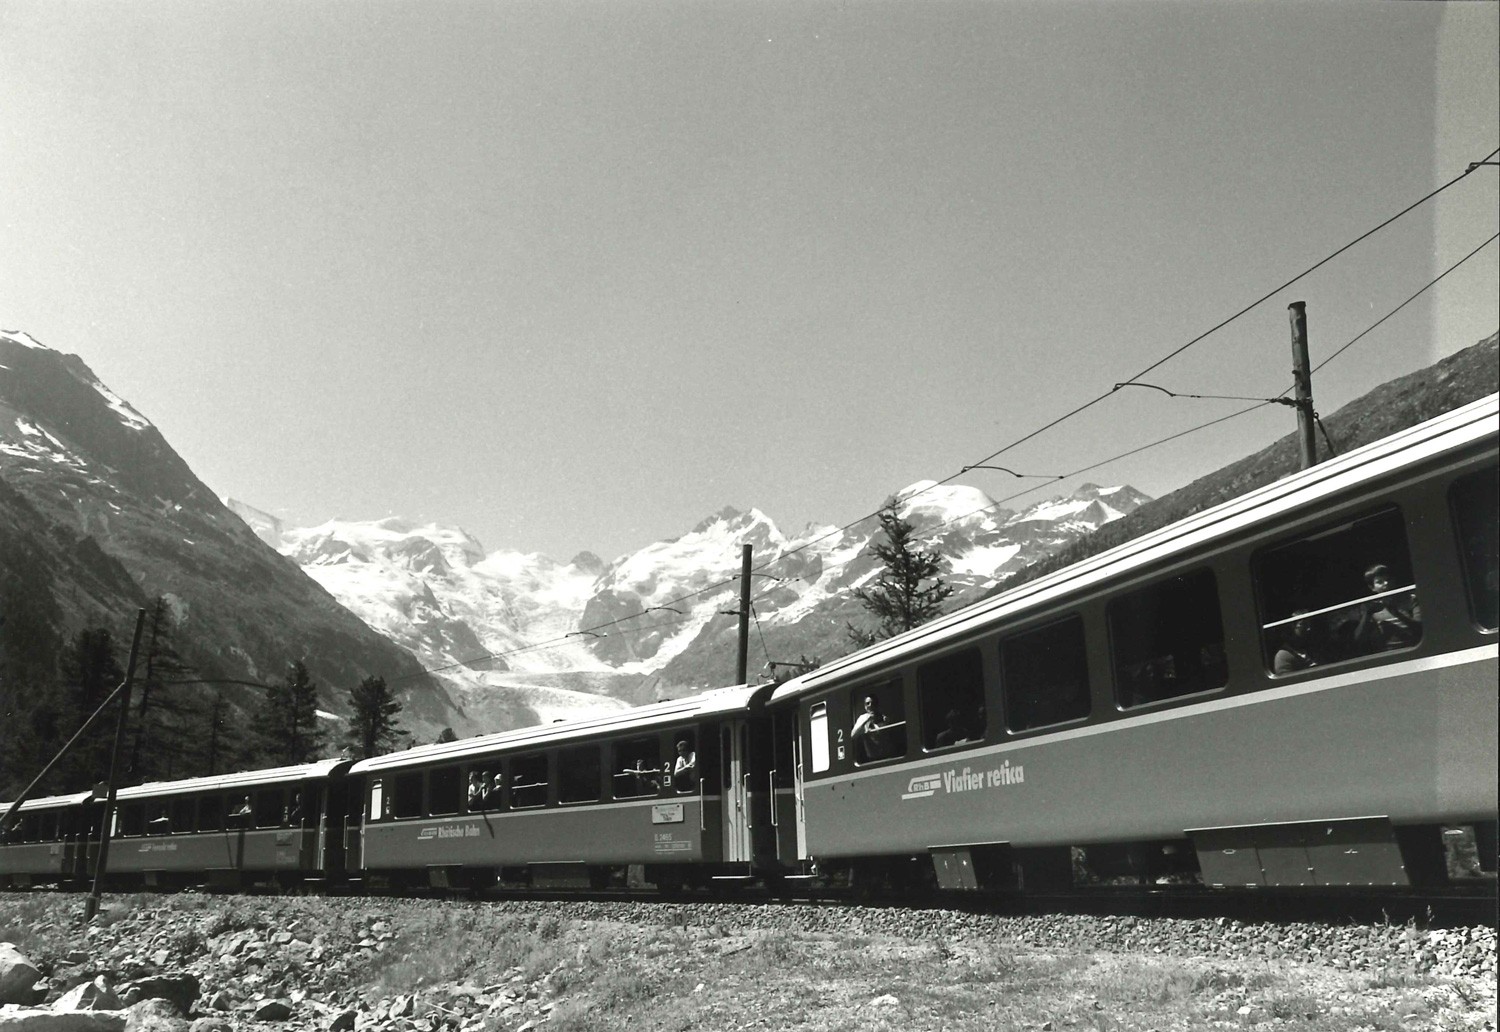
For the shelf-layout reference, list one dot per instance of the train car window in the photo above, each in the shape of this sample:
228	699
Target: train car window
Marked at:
879	728
184	815
579	775
950	692
1476	517
211	813
131	819
46	826
485	787
1044	676
636	768
406	795
268	808
378	809
1167	640
528	781
1340	593
445	791
817	733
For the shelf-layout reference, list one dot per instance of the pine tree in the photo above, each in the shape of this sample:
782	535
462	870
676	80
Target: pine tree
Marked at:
372	728
898	598
162	722
30	707
90	672
289	719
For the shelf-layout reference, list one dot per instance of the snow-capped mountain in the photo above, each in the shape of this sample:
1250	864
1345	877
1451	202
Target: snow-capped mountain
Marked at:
653	621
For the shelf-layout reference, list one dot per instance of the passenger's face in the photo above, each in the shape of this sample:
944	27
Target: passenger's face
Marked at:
869	704
1380	582
1301	628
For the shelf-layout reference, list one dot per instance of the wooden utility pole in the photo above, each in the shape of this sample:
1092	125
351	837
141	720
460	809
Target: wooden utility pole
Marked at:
91	905
742	661
1302	384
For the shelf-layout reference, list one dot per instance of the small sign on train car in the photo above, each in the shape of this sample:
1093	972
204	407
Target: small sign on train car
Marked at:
666	813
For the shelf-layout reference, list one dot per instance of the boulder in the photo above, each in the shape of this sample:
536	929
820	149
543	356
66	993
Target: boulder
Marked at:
213	1024
95	995
17	975
273	1010
154	1015
181	989
343	1021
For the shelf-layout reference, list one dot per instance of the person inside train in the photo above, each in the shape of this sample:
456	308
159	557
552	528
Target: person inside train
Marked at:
293	816
1302	647
476	790
953	731
241	814
867	733
496	795
685	770
161	824
1392	621
642	780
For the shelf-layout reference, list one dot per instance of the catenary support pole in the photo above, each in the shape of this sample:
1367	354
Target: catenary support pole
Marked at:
1302	384
91	905
742	660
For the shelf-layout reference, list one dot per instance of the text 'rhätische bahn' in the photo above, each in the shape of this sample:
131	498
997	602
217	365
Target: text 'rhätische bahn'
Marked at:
1294	688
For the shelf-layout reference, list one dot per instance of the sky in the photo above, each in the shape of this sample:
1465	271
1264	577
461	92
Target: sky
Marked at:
576	275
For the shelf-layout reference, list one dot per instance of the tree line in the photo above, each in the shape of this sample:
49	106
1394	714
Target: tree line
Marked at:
182	724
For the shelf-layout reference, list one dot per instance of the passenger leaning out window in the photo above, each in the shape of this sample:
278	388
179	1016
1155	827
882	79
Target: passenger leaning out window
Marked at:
1391	621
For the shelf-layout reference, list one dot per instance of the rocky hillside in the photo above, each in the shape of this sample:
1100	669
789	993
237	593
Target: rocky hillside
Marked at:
98	514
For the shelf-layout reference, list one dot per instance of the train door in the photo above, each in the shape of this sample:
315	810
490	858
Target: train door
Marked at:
782	784
354	816
734	763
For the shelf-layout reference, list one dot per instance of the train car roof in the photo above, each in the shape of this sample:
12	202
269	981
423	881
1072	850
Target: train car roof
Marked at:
660	714
239	780
1441	434
72	799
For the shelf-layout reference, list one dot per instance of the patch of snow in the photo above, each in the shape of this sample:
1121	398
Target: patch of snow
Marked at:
129	416
28	429
26	340
983	562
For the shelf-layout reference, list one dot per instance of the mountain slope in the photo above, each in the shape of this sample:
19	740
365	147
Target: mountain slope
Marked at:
98	473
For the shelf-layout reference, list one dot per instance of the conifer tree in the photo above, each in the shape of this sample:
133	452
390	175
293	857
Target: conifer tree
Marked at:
289	719
372	727
161	722
898	598
90	671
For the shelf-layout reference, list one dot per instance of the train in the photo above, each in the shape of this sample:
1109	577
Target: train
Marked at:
1294	689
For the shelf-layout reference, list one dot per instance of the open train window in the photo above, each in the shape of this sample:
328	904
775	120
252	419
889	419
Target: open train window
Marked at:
445	791
1475	518
184	817
211	813
1339	593
1167	640
950	692
46	826
879	728
378	803
578	775
637	767
1044	676
528	781
485	788
406	795
268	808
132	819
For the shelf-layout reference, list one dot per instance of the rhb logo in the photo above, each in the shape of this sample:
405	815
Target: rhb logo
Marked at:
922	786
